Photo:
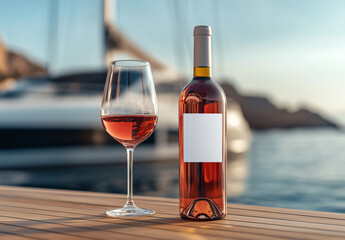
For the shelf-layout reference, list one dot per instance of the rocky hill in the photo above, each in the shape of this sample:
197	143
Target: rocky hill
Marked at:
262	114
14	65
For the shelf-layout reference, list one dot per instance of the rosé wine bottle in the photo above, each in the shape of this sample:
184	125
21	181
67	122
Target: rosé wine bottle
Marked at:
202	138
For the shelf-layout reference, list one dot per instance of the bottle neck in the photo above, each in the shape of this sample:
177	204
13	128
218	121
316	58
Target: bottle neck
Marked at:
202	55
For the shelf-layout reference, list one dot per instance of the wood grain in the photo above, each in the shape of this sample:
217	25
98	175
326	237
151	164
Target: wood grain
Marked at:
29	213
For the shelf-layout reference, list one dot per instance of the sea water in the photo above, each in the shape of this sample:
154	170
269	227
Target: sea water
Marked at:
302	169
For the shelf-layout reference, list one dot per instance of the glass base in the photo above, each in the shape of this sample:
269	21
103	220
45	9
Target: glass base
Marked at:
129	211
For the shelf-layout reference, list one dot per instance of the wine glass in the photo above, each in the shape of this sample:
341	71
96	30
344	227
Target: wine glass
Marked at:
129	114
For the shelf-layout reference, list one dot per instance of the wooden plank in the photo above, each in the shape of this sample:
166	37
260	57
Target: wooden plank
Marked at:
143	228
33	232
107	199
76	214
246	215
232	218
102	199
217	227
289	211
257	231
81	228
13	235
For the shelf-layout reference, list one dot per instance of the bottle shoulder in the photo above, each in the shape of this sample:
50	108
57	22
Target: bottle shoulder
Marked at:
204	88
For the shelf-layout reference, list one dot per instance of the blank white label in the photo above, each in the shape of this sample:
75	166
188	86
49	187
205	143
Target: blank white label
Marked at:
202	137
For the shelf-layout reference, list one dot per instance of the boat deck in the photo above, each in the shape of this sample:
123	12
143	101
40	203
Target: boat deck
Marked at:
29	213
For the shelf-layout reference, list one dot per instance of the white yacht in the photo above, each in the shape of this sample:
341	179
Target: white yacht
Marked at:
49	122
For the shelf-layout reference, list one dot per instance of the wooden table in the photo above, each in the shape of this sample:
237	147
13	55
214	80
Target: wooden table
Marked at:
28	213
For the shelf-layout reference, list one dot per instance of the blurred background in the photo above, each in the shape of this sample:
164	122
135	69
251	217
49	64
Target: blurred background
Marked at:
281	64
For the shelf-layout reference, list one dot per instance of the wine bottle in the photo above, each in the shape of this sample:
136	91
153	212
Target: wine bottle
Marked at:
202	138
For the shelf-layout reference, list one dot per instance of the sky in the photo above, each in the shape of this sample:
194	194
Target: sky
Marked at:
290	50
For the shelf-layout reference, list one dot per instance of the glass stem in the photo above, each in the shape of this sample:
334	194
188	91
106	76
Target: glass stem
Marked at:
130	201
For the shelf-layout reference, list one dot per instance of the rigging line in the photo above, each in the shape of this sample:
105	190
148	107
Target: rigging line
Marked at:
67	22
104	32
180	53
53	11
186	34
70	23
61	39
173	26
220	52
181	32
